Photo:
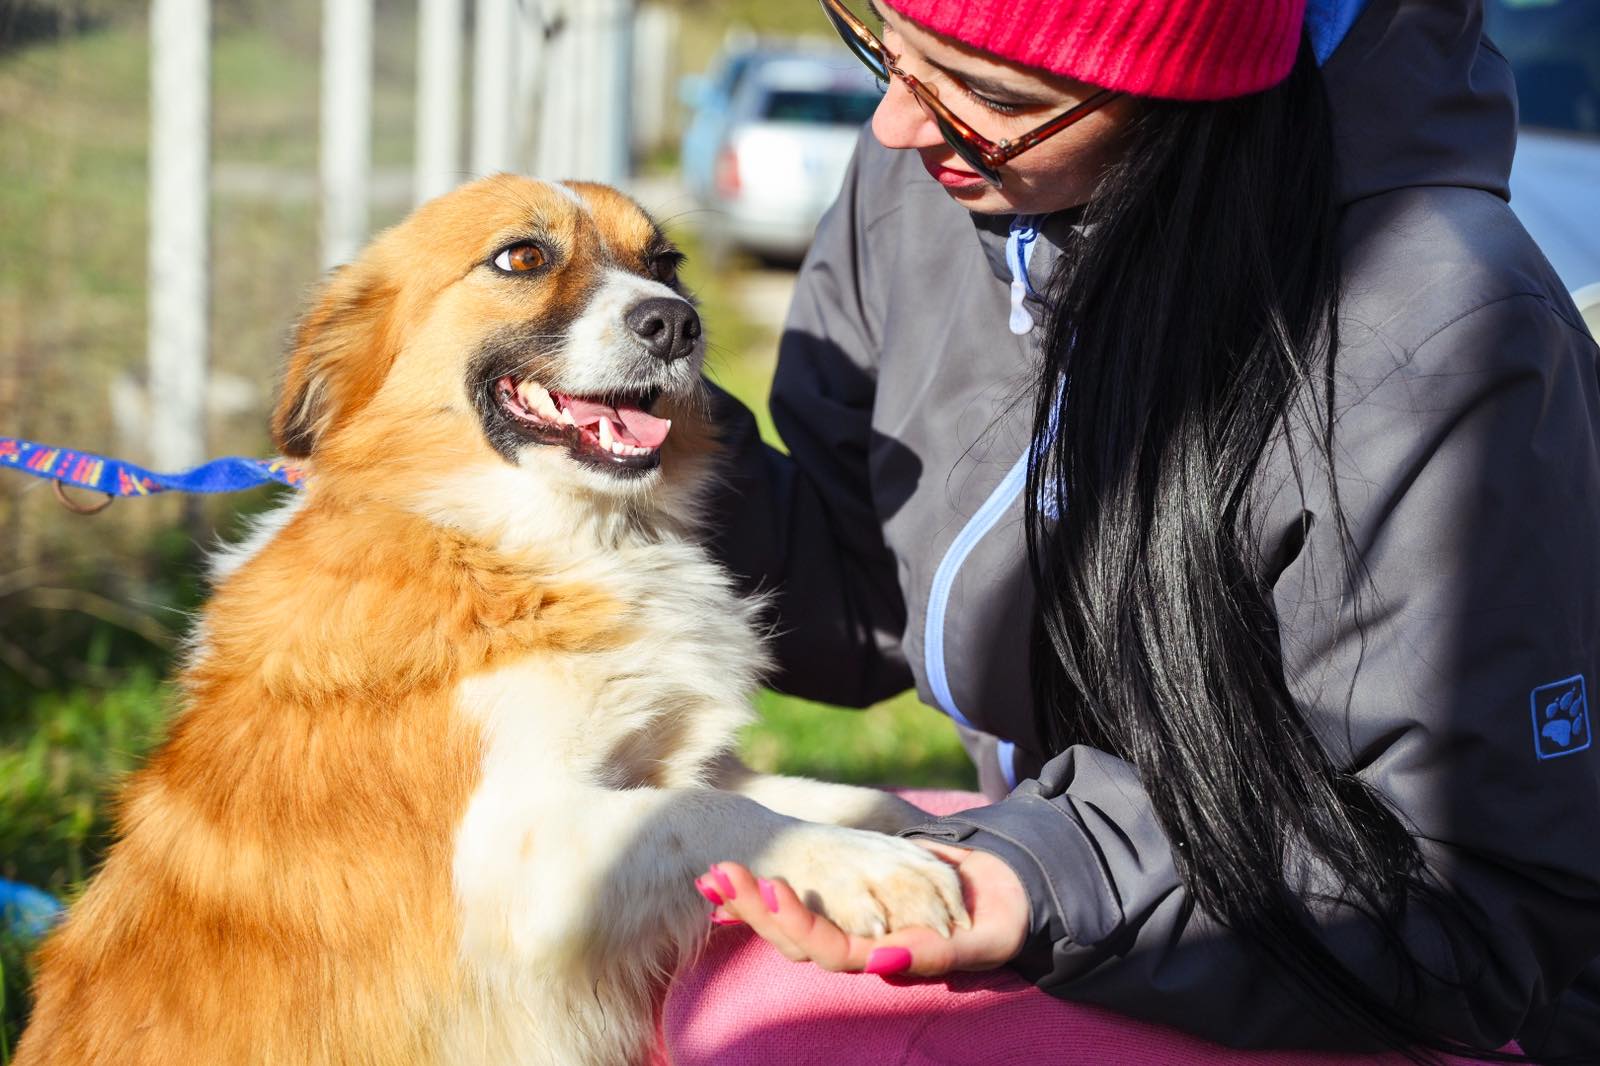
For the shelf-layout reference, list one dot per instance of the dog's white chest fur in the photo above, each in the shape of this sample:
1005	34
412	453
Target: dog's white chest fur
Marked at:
565	733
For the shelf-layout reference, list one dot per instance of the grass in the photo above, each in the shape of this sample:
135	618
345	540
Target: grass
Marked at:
89	609
707	22
13	989
900	742
58	760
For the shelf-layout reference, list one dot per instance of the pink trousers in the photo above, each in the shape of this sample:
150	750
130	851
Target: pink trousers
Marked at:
743	1004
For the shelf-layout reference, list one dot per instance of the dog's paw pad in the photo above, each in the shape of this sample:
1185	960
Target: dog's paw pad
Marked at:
867	883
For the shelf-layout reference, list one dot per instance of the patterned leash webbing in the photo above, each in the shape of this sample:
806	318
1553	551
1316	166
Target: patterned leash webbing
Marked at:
85	470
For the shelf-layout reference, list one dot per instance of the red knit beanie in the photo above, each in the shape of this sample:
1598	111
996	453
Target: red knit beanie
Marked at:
1179	49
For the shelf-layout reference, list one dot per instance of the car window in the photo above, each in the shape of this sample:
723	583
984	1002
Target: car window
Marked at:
1554	49
818	108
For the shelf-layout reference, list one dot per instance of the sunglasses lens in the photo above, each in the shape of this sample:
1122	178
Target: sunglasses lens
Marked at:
860	48
965	149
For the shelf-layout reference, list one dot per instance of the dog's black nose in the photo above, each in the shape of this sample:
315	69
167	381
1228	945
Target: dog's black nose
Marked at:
668	327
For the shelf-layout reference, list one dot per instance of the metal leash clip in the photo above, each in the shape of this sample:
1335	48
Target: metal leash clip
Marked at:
74	506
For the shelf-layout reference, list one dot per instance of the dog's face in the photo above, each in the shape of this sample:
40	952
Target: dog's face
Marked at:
512	324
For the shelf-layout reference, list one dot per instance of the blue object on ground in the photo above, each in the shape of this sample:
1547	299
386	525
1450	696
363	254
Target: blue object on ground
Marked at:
26	910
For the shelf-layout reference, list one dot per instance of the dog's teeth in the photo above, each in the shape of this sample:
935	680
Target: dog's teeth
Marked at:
566	418
536	399
606	438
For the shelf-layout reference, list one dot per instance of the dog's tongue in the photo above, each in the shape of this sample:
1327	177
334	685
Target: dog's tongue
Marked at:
630	424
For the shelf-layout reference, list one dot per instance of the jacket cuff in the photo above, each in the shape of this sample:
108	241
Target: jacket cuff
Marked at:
1073	906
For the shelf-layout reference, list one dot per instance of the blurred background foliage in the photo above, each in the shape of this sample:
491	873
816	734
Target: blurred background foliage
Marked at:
93	610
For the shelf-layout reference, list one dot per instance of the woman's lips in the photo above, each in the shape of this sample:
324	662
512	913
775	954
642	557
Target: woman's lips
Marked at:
950	178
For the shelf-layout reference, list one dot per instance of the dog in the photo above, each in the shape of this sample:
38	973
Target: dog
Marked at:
457	721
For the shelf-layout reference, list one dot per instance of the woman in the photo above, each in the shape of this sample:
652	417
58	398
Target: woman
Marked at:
1227	464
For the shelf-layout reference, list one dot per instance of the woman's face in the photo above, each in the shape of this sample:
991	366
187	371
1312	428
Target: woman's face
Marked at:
998	99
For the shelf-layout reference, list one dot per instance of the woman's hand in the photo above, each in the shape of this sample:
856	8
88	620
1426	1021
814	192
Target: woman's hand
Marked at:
994	897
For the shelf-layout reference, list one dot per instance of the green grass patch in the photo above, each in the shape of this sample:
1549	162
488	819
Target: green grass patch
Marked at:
761	16
59	759
60	756
15	975
900	742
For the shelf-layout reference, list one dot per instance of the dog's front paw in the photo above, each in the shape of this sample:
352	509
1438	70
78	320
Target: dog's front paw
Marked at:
866	883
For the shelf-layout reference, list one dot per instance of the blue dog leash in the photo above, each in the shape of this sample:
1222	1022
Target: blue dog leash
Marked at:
114	477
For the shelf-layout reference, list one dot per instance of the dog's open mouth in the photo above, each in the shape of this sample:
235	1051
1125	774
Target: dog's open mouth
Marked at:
617	432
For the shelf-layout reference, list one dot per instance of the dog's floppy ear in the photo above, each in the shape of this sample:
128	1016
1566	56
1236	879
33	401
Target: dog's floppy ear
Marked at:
340	355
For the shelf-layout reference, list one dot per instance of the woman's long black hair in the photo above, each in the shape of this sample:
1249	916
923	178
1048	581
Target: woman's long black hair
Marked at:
1193	324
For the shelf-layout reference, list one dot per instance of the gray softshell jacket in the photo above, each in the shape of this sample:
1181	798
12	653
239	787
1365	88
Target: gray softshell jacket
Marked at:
1468	458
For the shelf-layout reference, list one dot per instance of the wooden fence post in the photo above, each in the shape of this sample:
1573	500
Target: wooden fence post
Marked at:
614	37
583	123
557	152
180	196
494	79
345	146
655	77
437	167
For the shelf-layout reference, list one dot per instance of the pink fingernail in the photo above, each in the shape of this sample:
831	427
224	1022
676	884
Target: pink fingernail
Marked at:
724	885
718	919
708	892
769	894
888	960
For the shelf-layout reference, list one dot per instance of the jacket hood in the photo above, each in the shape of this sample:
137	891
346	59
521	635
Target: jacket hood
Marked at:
1421	97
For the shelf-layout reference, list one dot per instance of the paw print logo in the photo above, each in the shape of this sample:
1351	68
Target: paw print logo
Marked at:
1561	718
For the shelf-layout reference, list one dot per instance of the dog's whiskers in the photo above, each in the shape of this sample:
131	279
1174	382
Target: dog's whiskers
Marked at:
525	365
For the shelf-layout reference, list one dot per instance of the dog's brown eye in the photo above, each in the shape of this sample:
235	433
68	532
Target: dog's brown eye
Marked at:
520	258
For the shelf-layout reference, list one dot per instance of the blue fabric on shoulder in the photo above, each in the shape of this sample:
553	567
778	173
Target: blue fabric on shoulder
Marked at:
1327	21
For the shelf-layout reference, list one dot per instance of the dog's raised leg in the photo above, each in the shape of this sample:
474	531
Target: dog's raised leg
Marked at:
582	897
819	801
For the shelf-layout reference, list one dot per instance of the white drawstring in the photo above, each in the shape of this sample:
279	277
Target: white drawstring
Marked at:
1019	251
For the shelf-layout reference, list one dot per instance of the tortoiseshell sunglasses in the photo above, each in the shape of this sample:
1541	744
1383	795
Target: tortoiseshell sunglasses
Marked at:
983	155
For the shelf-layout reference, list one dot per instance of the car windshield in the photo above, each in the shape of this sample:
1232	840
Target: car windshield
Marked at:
1554	48
819	107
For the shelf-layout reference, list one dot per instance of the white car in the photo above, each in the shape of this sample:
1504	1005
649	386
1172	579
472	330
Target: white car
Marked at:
793	124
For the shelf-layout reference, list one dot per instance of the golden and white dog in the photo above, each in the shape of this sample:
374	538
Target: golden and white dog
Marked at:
456	725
